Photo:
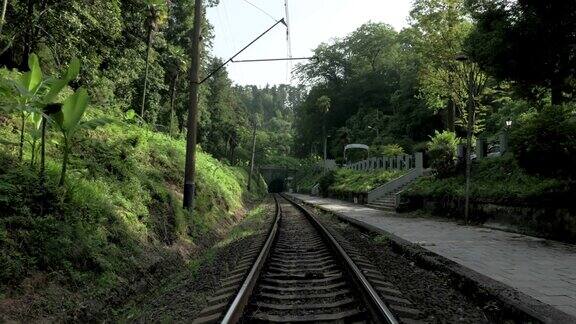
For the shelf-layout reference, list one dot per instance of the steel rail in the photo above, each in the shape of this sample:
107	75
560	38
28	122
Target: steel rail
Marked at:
236	308
376	306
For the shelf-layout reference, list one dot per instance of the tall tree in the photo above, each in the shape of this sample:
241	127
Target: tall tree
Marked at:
439	29
155	18
528	41
323	103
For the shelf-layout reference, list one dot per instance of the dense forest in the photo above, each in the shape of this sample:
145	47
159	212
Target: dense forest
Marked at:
389	87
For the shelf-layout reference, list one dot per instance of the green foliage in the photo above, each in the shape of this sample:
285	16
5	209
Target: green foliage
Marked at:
324	104
545	142
308	175
121	205
371	78
438	30
343	181
496	180
442	152
387	150
507	30
326	182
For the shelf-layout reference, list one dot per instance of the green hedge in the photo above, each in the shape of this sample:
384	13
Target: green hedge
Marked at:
345	181
498	180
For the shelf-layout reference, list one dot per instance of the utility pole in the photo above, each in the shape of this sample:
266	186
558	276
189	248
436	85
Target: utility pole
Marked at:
253	156
190	171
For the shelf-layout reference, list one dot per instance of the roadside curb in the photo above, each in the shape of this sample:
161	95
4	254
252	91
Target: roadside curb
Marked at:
516	304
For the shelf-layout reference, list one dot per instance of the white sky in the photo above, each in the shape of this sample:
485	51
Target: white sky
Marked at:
312	22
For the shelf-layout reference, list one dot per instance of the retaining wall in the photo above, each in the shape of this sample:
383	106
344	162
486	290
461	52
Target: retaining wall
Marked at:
546	222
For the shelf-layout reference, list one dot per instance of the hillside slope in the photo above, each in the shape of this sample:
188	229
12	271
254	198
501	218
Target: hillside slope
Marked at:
118	217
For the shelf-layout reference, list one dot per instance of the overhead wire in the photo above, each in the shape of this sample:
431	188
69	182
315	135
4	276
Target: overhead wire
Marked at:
234	44
261	10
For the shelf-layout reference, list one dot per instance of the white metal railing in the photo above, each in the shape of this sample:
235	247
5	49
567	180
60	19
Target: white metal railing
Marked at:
399	182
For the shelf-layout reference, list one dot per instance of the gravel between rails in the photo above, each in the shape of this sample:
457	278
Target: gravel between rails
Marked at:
302	280
431	291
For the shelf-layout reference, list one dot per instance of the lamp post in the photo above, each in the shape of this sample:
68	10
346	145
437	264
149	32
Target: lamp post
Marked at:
505	136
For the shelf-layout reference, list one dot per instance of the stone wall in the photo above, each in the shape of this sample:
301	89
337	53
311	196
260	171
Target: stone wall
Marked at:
547	222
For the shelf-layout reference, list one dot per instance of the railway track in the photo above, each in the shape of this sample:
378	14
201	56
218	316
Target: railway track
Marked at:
303	274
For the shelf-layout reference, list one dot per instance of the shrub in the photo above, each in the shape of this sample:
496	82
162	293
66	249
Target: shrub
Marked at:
326	182
497	180
387	150
545	142
351	181
442	152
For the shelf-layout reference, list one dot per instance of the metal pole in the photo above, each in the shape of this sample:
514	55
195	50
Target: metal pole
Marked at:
325	143
469	130
190	168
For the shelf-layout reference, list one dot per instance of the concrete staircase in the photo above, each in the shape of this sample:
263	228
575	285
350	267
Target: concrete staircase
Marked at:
386	196
389	201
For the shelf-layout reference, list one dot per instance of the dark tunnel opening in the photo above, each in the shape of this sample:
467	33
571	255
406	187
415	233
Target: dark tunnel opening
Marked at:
276	186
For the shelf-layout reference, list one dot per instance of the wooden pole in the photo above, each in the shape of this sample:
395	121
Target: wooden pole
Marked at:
190	171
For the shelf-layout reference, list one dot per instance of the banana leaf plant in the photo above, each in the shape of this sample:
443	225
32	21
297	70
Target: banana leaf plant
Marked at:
68	121
31	93
20	94
36	135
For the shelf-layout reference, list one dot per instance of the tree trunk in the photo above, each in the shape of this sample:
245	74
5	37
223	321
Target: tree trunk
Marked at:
556	90
22	125
33	157
233	152
148	48
43	167
3	15
64	163
27	49
451	115
252	159
172	101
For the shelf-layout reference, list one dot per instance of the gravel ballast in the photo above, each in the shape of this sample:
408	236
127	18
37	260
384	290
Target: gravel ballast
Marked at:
431	291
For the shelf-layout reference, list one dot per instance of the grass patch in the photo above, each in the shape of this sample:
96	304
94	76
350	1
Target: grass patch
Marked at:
351	181
119	212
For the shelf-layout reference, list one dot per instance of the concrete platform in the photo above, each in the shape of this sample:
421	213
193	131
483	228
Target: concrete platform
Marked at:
544	270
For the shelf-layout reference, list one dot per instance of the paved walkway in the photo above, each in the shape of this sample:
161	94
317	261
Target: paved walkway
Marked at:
542	269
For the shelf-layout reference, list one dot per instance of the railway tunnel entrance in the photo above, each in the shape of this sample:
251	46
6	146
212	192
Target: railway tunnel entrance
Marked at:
278	178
